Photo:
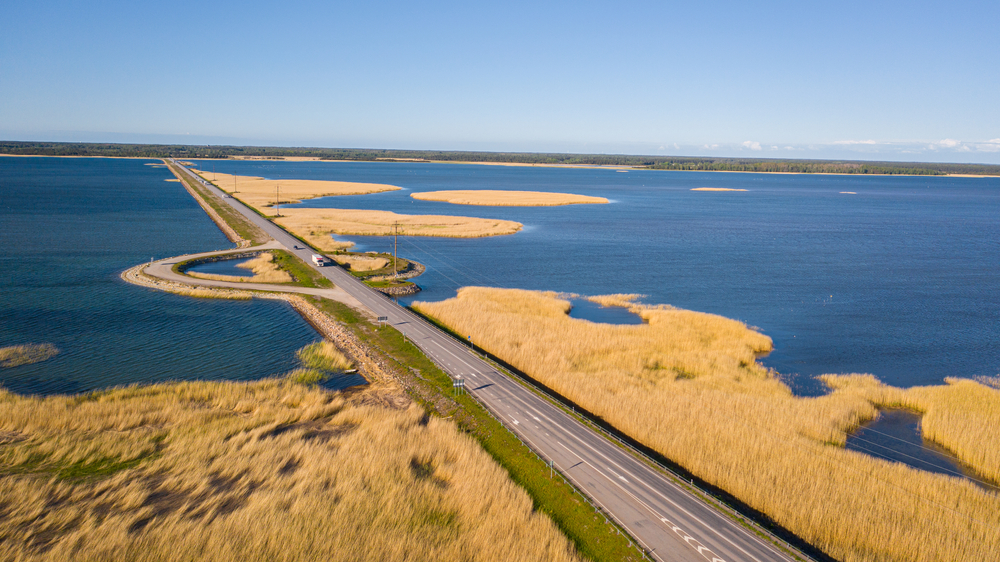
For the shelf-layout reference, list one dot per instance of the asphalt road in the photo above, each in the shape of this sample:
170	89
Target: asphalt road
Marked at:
668	520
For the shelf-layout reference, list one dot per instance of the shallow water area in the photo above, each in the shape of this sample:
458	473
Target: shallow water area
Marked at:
223	267
70	227
589	310
896	436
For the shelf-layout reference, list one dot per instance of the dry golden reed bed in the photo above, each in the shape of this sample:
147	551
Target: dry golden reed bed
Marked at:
16	355
716	189
260	192
315	225
688	385
507	198
263	267
267	470
361	263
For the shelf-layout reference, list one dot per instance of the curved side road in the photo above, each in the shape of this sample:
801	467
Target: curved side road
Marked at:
668	520
163	269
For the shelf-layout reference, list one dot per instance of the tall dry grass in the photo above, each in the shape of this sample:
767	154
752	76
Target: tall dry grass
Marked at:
688	385
361	263
16	355
315	225
319	360
267	470
496	198
260	192
263	268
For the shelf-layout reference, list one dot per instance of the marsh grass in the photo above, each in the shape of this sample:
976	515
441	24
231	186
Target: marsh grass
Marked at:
266	470
260	192
263	267
16	355
496	198
688	385
361	263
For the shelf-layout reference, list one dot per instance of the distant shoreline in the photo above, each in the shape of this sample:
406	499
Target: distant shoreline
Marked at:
579	166
614	167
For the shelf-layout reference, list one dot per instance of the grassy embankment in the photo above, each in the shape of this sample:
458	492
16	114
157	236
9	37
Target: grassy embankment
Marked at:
497	198
17	355
425	382
688	386
230	218
266	470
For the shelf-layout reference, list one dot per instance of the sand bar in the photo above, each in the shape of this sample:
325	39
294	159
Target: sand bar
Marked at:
315	225
498	198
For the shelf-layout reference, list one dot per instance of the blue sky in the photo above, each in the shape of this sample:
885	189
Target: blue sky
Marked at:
867	80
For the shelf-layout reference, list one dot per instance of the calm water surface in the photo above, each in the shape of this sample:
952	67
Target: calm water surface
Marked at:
224	267
896	436
68	227
900	280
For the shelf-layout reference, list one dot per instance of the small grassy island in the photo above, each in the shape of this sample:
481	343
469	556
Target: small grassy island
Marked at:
16	355
495	198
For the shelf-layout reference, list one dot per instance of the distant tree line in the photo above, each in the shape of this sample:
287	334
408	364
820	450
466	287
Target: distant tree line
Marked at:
369	154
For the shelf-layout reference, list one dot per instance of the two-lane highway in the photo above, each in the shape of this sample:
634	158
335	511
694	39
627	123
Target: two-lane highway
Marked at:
669	521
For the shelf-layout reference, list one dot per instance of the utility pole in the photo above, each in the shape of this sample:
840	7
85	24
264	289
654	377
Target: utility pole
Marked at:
395	246
234	184
277	201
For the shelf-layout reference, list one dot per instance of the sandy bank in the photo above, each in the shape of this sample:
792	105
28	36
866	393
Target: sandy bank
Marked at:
497	198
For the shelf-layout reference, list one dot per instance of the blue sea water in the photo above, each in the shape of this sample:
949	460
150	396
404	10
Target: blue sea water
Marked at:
900	279
68	227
